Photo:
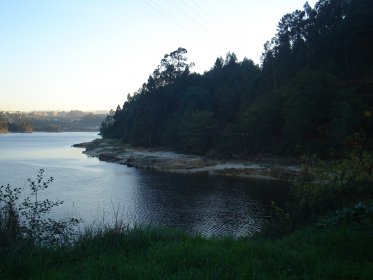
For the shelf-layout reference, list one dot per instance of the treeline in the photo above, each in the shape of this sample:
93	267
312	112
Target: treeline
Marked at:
19	125
62	121
311	93
3	125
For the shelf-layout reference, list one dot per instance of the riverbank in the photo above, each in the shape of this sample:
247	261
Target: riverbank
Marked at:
168	161
343	252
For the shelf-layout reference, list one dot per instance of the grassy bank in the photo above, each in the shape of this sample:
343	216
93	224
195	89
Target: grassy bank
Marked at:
343	252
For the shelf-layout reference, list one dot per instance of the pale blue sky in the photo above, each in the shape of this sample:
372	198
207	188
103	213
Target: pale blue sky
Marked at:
89	54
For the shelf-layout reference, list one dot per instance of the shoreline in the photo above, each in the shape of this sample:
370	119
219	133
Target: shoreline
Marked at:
173	162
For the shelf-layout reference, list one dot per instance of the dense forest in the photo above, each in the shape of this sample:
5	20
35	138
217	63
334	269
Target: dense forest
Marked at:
312	92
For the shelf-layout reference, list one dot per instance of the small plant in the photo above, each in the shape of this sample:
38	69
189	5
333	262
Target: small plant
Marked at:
29	219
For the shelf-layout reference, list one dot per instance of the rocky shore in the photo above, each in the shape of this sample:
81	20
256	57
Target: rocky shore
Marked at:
167	161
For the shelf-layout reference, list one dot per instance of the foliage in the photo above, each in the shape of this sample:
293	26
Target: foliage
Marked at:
309	99
261	125
195	131
343	252
49	121
327	186
310	93
28	219
20	126
3	124
355	214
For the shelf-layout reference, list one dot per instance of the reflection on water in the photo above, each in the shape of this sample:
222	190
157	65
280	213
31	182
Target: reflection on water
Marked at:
204	204
97	190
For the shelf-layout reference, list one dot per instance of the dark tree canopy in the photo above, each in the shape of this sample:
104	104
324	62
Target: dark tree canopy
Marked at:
312	92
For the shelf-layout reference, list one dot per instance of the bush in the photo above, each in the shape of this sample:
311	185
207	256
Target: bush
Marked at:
355	214
325	188
28	219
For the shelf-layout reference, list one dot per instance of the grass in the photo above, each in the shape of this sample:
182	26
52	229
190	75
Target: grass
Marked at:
343	252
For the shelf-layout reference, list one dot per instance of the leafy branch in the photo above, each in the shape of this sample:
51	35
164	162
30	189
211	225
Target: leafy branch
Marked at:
30	219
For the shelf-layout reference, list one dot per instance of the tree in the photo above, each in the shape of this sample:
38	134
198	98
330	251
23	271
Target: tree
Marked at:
307	111
311	91
3	124
196	98
172	66
261	125
196	131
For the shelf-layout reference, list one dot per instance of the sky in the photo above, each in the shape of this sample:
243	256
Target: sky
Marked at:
89	54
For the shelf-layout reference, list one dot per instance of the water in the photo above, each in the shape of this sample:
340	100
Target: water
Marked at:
97	191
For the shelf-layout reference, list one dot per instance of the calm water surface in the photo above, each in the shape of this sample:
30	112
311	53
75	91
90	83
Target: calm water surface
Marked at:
96	191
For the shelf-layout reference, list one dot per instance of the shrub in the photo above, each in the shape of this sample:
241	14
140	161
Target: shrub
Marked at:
325	188
29	219
355	214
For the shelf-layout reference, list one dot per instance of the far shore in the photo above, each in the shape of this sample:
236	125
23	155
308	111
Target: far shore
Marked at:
45	131
168	161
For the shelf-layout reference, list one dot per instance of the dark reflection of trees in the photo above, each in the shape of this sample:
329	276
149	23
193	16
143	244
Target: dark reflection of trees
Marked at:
203	204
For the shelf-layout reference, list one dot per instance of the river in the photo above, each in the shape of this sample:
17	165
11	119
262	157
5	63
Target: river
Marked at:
101	192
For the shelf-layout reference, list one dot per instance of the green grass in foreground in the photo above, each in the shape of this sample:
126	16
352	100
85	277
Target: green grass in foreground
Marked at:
345	252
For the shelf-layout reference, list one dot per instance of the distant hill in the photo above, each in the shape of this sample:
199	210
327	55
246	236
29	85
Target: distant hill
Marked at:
50	121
